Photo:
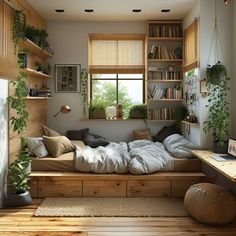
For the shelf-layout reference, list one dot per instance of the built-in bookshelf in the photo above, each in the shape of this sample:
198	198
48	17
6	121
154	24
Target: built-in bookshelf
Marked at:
164	76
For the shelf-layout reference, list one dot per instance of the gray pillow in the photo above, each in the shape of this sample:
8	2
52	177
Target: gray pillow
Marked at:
37	147
95	141
77	134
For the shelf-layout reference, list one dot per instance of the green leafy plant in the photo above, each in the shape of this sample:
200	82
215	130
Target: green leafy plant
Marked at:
138	112
18	176
39	66
43	34
84	83
18	27
219	116
97	109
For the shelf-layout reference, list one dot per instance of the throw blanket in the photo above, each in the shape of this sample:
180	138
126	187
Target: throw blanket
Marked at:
144	157
179	146
148	157
114	158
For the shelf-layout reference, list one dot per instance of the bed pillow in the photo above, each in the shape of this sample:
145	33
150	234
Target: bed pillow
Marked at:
77	134
165	132
142	134
50	132
37	147
58	145
95	141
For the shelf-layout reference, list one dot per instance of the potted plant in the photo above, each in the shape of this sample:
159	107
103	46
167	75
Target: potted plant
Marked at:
19	170
18	176
97	109
219	116
138	112
216	73
18	27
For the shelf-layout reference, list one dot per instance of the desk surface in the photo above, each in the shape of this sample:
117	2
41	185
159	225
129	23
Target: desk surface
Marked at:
227	168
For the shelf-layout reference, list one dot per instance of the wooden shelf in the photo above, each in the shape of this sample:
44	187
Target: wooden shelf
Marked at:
34	48
160	120
164	100
189	123
164	81
165	38
165	60
36	98
36	73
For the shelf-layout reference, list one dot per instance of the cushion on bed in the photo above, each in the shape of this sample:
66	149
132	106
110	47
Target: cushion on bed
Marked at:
93	141
58	145
165	132
77	134
50	132
142	134
36	147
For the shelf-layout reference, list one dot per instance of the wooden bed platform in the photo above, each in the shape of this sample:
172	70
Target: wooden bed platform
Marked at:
72	184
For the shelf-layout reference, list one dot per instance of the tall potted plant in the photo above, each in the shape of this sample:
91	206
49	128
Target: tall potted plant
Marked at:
18	172
218	104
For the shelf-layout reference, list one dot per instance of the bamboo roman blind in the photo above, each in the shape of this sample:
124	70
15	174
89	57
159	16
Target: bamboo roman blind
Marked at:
116	53
191	46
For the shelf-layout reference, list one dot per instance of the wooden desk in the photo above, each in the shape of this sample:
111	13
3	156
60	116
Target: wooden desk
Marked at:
227	168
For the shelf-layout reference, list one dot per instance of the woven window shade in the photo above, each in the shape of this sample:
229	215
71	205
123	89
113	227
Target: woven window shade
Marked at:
116	55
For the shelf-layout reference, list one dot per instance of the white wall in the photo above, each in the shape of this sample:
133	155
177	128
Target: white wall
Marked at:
3	137
70	43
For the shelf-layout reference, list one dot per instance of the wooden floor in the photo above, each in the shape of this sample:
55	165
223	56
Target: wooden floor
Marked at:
20	221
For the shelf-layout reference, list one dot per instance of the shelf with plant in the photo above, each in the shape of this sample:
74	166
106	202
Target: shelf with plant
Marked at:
36	73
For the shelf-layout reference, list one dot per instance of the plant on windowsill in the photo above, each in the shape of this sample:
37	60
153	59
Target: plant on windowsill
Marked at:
138	112
19	170
97	109
219	116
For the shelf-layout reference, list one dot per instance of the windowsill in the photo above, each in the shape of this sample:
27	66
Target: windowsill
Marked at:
89	119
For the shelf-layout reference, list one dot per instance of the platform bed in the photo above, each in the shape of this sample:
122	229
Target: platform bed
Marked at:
72	184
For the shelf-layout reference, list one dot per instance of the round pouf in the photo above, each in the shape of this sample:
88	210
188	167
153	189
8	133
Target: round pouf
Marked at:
209	204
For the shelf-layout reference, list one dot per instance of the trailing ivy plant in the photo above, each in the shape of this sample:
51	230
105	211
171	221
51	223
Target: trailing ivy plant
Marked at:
16	102
219	116
18	27
84	83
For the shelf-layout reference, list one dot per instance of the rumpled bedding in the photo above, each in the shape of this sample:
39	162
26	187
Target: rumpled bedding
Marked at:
179	147
136	157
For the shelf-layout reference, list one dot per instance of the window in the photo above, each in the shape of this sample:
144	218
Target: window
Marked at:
116	67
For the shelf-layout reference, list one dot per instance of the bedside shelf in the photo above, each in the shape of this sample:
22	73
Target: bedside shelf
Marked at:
34	48
36	73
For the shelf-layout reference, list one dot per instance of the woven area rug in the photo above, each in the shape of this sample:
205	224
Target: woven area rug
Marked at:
114	207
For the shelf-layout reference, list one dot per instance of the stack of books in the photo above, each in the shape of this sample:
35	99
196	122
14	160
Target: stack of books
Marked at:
161	114
45	92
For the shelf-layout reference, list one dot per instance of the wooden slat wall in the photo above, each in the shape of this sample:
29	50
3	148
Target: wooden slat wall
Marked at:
36	108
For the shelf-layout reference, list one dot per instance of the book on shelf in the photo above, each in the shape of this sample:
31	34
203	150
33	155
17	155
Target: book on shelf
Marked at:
165	30
162	114
165	93
161	52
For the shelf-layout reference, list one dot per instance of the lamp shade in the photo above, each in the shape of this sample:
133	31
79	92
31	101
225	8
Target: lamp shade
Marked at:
64	109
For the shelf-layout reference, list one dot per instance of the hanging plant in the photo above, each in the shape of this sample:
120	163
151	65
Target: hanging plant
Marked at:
216	73
84	83
18	28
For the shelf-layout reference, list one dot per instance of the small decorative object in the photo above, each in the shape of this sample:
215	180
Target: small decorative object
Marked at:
67	78
111	112
138	112
203	87
119	111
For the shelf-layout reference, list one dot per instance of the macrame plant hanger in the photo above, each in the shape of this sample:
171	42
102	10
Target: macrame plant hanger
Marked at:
216	42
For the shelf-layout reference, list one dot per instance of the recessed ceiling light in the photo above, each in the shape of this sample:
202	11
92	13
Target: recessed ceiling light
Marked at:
59	10
89	10
136	10
165	10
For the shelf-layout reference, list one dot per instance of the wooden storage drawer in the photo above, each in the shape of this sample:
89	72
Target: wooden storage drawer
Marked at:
33	188
104	188
59	188
179	187
156	188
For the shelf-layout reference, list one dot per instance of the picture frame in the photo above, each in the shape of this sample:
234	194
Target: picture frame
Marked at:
67	78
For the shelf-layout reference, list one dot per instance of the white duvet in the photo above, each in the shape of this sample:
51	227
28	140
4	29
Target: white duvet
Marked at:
137	157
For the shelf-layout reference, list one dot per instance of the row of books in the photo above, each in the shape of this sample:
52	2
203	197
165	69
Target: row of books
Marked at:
161	114
160	74
161	52
165	31
166	93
